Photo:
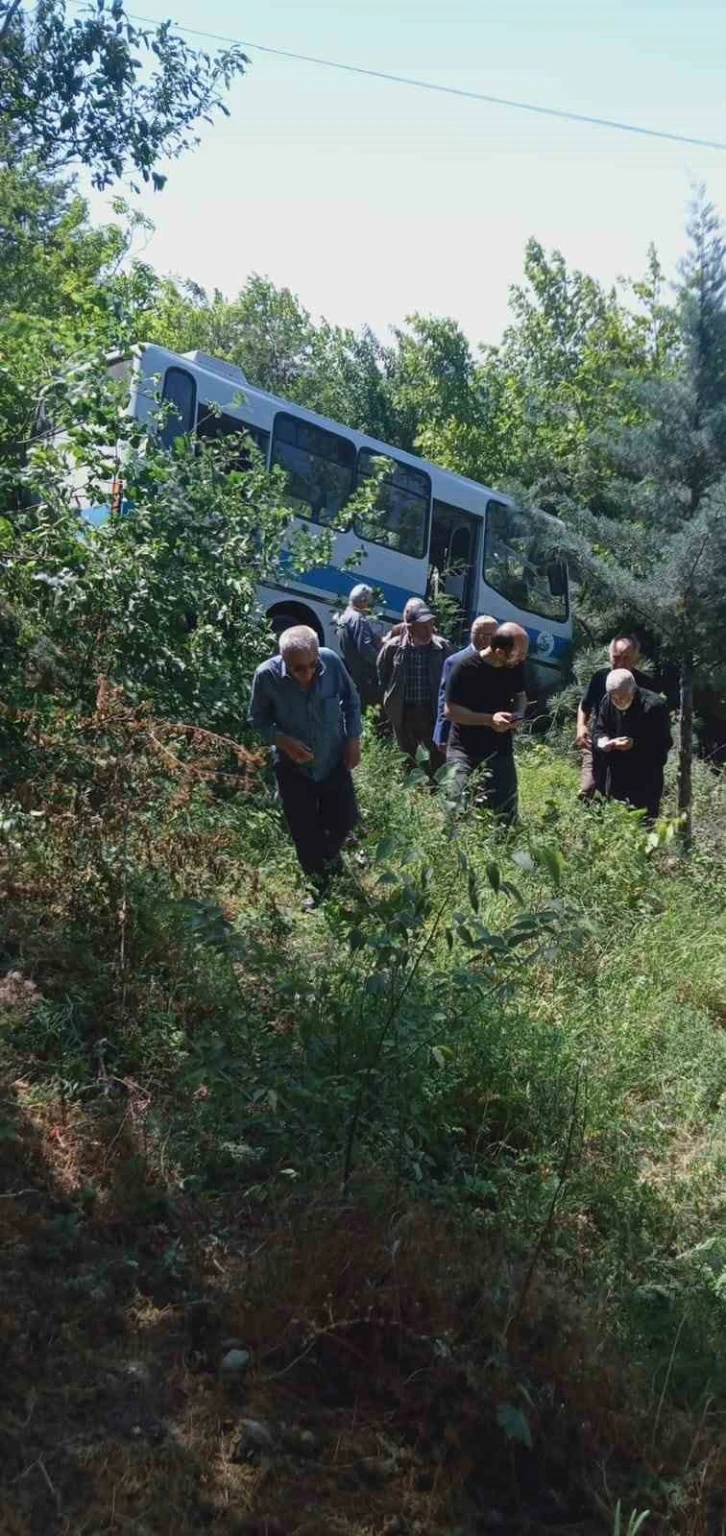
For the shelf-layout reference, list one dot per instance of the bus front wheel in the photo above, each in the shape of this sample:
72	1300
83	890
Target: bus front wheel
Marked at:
295	613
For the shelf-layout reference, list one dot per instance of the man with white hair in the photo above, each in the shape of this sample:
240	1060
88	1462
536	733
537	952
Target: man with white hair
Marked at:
624	651
633	734
486	702
360	641
481	631
306	708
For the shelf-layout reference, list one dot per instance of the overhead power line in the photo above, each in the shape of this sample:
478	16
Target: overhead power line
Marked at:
449	90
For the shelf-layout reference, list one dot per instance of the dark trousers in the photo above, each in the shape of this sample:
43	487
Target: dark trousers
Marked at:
642	796
497	787
320	814
417	730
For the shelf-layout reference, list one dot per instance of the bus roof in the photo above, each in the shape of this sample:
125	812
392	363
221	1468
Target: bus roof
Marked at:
228	373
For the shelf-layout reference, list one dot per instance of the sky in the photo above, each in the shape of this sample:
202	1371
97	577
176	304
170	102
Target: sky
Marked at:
372	200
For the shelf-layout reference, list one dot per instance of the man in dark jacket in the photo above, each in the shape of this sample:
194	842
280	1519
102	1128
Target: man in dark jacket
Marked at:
633	734
409	672
360	640
624	651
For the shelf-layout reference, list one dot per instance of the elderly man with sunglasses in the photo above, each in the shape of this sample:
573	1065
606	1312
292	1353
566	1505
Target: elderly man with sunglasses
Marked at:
306	707
486	702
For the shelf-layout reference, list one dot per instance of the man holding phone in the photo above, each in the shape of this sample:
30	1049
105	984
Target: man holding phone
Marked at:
633	734
486	702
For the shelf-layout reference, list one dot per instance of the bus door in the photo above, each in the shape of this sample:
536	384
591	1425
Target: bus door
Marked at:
453	556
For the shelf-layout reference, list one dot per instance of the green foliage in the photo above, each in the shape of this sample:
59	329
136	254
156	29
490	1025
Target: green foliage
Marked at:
101	91
161	599
61	292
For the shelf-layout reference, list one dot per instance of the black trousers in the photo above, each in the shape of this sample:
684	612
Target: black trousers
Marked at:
416	729
319	814
497	788
643	797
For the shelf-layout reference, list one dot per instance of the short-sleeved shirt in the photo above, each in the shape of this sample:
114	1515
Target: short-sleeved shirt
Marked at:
416	687
478	686
595	692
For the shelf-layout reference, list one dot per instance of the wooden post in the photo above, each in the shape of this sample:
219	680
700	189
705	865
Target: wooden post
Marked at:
685	751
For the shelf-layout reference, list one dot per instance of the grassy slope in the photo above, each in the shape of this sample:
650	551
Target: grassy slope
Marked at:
470	1336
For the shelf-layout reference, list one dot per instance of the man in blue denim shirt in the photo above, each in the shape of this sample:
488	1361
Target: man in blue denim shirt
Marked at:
306	708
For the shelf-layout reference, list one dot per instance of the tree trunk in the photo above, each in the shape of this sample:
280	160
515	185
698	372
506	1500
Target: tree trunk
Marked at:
685	750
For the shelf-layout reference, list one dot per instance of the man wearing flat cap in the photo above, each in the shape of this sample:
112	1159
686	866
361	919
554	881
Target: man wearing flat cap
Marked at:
409	672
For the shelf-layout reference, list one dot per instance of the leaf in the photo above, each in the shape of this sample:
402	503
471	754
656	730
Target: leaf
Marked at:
473	891
494	876
385	849
515	1424
422	756
550	859
439	1056
523	859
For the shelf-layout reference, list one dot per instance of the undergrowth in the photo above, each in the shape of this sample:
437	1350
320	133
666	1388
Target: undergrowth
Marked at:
475	1104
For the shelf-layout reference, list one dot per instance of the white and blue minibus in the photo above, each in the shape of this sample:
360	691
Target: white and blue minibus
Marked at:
434	530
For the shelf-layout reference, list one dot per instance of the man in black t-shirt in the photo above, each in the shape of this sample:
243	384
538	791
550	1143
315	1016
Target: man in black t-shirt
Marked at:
485	702
624	652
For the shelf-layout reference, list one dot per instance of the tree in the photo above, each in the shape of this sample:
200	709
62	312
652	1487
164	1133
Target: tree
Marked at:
266	331
161	598
660	554
445	401
566	362
63	288
102	92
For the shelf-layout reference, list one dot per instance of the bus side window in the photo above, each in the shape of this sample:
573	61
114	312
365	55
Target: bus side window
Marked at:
516	569
400	518
180	391
320	466
216	424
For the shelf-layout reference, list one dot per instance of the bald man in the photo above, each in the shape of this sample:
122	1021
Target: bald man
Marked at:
481	631
486	703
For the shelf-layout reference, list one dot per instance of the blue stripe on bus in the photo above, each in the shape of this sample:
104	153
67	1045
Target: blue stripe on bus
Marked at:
327	578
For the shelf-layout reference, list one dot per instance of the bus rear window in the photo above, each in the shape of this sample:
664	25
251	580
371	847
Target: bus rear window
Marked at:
320	466
180	391
400	517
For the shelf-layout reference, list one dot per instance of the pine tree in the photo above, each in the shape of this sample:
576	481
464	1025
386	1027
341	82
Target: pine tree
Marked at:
662	549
